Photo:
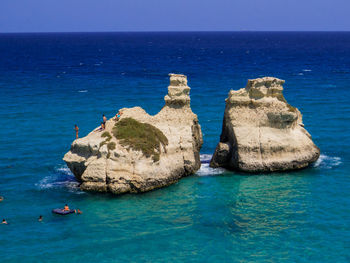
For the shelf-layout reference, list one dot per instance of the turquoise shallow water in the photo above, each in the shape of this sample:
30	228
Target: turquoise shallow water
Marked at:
49	82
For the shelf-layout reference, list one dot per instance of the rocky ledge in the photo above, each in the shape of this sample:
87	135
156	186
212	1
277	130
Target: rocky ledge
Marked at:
140	152
261	132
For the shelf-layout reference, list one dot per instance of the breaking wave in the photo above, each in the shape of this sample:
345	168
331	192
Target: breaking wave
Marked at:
205	170
327	162
61	177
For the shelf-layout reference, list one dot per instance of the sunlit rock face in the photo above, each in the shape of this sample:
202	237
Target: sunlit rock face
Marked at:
100	166
261	132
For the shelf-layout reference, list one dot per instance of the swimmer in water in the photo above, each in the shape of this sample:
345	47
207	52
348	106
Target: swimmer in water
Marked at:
4	222
40	218
1	198
66	208
78	211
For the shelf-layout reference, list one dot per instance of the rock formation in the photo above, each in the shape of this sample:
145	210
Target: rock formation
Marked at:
140	152
261	132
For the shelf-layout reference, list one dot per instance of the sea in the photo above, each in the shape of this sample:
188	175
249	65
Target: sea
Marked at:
51	81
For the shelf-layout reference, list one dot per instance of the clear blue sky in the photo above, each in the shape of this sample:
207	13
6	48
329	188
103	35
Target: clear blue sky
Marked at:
175	15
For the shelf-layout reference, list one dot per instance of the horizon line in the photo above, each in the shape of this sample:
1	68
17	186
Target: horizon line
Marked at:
181	31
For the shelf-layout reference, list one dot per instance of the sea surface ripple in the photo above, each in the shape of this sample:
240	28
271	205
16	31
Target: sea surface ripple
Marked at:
49	82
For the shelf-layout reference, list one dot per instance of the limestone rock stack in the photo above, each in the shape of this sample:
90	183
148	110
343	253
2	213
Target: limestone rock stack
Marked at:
261	132
108	162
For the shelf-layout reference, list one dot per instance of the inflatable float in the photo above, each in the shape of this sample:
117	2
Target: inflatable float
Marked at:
61	211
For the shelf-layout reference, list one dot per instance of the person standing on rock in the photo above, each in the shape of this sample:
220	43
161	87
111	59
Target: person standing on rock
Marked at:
104	119
102	126
76	128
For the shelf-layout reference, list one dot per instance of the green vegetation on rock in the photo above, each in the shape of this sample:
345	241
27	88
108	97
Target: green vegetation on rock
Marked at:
107	135
111	145
278	96
140	137
291	108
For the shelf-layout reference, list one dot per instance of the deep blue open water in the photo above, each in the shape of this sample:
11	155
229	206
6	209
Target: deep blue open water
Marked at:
49	82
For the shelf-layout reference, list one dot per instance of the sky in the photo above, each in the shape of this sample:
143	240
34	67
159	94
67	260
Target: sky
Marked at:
173	15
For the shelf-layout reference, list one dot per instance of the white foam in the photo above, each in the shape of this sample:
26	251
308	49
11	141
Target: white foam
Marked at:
324	162
83	91
205	157
301	74
64	170
205	170
62	177
327	162
307	70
